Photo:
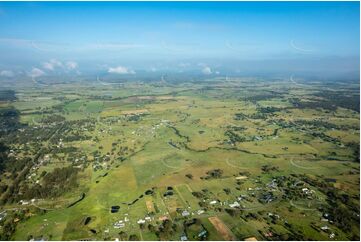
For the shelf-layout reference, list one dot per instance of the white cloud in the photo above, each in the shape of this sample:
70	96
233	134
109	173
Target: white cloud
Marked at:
207	70
48	66
36	72
71	65
52	64
6	73
120	70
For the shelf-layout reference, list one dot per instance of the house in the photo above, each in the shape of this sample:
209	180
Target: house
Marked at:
203	233
234	205
141	221
119	224
199	212
240	198
183	238
272	184
268	234
267	198
23	202
163	218
325	227
2	215
213	202
185	213
257	138
275	216
305	190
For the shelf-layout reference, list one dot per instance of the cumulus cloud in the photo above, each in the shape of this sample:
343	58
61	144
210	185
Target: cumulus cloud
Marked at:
120	70
55	64
207	70
48	66
52	64
6	73
36	72
71	65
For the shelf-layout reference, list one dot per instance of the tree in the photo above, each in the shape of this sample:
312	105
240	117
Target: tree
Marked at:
190	176
151	228
133	237
142	226
123	235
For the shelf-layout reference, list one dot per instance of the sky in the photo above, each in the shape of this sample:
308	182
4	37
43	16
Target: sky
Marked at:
47	38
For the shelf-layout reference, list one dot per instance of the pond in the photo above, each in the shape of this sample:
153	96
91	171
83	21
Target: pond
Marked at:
114	209
87	220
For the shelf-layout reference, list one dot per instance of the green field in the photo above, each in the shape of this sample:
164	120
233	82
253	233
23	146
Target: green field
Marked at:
254	155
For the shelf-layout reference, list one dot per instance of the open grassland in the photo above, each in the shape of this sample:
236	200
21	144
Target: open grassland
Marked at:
215	160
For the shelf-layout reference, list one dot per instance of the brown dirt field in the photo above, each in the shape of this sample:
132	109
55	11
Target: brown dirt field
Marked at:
241	177
251	239
150	206
167	98
138	111
222	228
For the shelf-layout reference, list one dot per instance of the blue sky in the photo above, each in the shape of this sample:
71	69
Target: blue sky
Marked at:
132	35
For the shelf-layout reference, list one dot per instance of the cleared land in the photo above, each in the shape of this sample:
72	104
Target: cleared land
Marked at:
222	228
210	160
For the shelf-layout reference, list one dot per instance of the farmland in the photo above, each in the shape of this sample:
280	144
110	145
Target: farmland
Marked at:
217	159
